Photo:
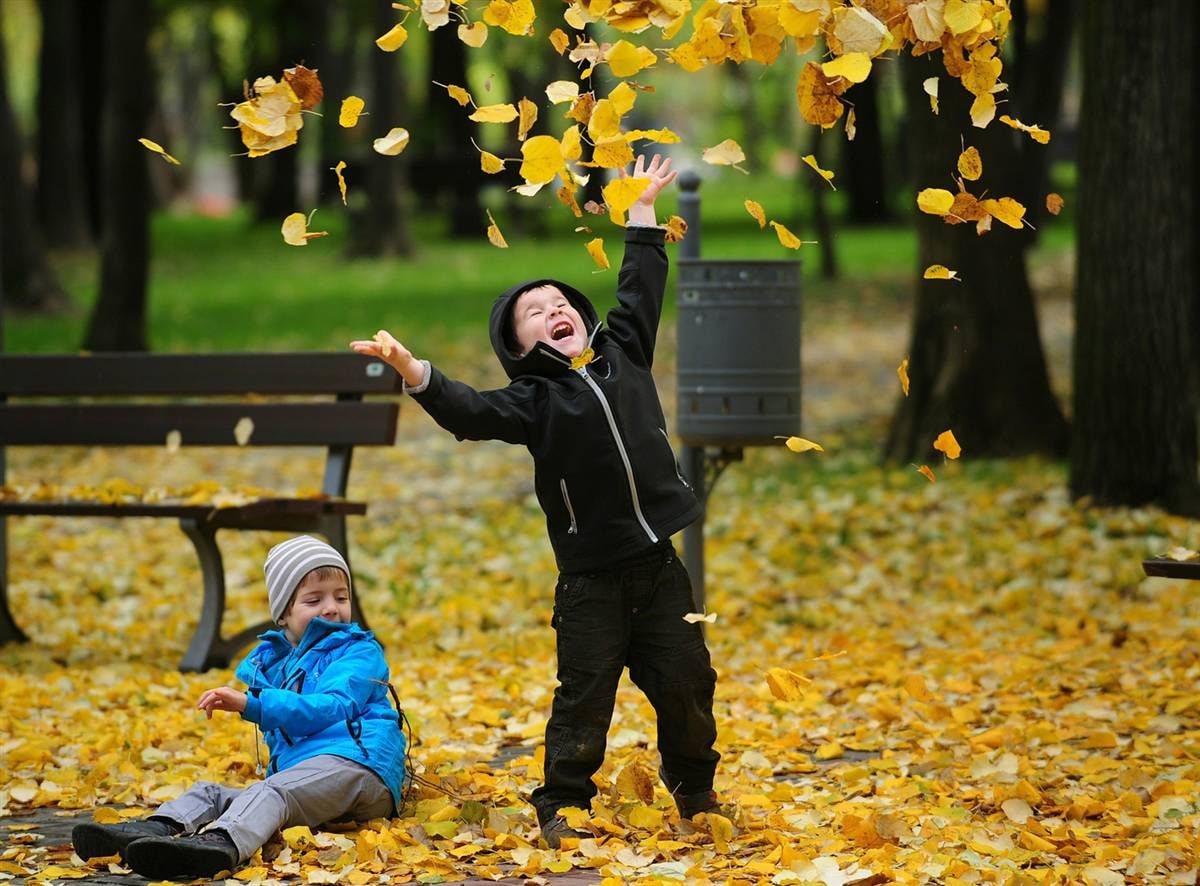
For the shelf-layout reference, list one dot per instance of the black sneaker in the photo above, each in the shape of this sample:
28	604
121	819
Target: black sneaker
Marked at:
92	840
182	858
556	830
691	805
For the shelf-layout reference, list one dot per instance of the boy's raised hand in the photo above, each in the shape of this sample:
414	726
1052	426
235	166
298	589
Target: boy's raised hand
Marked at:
221	699
659	174
391	352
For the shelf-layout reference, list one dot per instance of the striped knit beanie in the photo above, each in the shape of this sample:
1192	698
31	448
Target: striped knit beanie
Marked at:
287	564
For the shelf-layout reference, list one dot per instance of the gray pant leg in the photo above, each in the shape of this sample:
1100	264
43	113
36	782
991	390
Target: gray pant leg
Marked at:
313	792
203	802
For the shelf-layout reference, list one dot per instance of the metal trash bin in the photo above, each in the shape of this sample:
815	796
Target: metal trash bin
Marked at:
739	352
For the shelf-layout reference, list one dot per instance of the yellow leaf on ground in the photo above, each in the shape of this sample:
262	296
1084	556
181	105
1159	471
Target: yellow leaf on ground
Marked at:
352	109
393	39
158	149
946	443
634	783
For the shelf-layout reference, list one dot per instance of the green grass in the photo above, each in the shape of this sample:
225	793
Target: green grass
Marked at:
228	285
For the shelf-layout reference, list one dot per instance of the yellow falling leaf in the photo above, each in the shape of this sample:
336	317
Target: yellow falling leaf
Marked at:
541	159
940	272
621	193
459	94
726	153
811	161
174	441
586	357
970	164
158	149
595	249
393	39
694	617
625	59
676	229
946	443
295	229
490	163
854	66
474	35
786	685
385	345
799	444
755	209
501	113
493	233
1006	210
341	179
393	143
243	430
935	201
527	114
1039	135
930	85
983	109
559	40
787	238
352	109
1054	203
851	127
925	471
902	372
634	783
562	91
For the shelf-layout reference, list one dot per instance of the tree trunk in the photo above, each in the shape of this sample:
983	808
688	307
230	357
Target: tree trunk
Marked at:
1134	439
976	363
382	229
865	180
118	321
91	19
28	282
62	189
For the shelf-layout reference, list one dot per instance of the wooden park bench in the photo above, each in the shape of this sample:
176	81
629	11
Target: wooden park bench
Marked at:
190	397
1165	567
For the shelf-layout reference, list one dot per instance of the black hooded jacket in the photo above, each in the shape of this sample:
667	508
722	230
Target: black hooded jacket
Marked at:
604	470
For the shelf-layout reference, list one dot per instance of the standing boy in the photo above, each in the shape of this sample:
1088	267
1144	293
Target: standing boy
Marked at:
318	688
583	400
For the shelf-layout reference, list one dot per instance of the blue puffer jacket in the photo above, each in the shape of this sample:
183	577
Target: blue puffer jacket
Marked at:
328	695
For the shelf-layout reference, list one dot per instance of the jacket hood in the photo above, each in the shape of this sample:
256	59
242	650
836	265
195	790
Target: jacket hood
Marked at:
542	359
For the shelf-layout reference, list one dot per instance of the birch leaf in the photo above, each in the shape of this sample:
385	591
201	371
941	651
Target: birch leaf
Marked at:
352	109
927	473
243	430
811	161
295	230
562	91
393	39
393	143
854	66
946	443
501	113
1054	203
935	201
527	115
474	35
493	233
757	212
341	180
158	149
726	153
940	272
695	617
799	444
970	164
595	249
902	372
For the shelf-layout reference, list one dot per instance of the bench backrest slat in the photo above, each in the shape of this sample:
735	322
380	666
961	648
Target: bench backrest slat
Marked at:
183	374
275	424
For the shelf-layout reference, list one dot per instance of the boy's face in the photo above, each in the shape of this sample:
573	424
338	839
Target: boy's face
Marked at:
544	314
328	598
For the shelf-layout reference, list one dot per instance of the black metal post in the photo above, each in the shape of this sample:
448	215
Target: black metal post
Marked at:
692	457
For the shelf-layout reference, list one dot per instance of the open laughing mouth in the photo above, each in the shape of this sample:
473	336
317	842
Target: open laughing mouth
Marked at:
562	330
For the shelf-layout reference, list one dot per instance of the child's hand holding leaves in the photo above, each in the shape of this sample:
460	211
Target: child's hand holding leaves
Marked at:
391	352
659	174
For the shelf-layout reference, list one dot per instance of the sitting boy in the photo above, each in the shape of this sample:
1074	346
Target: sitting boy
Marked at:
318	688
582	400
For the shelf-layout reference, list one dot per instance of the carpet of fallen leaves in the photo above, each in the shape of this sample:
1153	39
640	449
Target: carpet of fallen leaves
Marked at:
1014	701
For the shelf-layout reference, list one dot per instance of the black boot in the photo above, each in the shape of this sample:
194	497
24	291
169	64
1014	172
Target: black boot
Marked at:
691	805
92	840
556	830
182	858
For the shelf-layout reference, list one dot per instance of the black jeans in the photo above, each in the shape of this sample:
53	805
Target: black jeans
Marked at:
607	620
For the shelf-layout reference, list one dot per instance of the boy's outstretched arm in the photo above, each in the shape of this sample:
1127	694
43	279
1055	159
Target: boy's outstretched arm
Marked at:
642	280
504	414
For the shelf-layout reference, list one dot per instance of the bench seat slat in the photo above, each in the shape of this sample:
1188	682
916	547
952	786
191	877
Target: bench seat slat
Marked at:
255	510
1165	567
119	374
203	424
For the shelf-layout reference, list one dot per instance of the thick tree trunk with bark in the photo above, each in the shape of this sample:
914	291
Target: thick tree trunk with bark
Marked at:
1134	439
62	186
118	321
27	280
976	362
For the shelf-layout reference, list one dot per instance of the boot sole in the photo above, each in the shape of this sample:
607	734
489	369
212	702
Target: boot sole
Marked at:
163	858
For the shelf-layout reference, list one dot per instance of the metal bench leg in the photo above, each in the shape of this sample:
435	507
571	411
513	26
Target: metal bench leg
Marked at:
334	529
9	632
204	651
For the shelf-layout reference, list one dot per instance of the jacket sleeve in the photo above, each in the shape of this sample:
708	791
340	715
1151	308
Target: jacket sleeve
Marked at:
343	693
504	414
640	289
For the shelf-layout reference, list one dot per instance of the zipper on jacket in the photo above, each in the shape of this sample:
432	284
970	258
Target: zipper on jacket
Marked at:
674	461
612	426
573	529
